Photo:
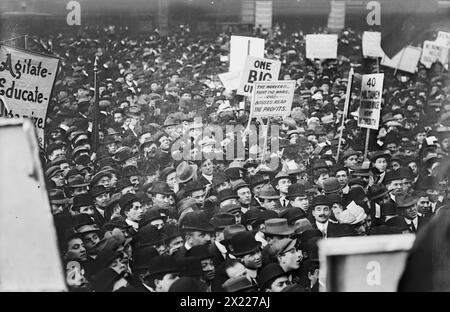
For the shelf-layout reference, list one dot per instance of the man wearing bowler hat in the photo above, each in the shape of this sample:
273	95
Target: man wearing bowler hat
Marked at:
321	211
248	251
218	251
394	184
407	206
273	278
160	193
270	198
257	182
297	197
163	271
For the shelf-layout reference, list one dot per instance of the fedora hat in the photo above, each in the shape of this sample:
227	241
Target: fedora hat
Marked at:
282	175
75	181
405	200
123	153
229	231
226	194
185	171
240	184
221	220
302	225
269	273
391	176
277	226
296	190
162	264
170	231
234	165
268	192
257	179
251	215
149	235
82	200
292	214
84	223
320	200
331	185
193	186
196	221
349	152
243	243
238	283
98	190
377	191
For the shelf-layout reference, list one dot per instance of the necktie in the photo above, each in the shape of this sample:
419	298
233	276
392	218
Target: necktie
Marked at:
412	227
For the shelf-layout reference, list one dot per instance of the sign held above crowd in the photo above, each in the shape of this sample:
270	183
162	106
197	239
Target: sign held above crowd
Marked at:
272	98
321	46
405	60
371	44
257	69
241	47
371	95
26	83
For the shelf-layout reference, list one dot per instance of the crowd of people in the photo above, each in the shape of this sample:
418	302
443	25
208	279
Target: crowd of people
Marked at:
139	213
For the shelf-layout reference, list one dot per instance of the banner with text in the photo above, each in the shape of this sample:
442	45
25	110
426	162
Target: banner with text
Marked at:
272	98
241	47
26	82
371	95
321	46
257	69
431	53
371	44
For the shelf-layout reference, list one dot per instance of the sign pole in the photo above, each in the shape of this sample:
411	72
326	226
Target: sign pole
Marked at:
344	115
366	147
95	119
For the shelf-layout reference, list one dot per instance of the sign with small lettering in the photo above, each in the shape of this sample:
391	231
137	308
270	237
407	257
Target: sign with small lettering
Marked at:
272	98
443	39
371	94
26	82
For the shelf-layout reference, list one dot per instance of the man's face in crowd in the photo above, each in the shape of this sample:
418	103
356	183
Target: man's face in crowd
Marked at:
423	205
283	185
290	259
131	162
208	269
90	241
197	238
410	212
135	181
396	186
164	143
129	77
392	148
300	202
112	147
105	181
245	196
58	179
253	261
171	179
433	195
257	189
279	284
380	164
101	200
321	213
135	212
198	196
270	204
395	165
57	208
321	178
207	167
164	284
236	270
407	185
420	137
351	161
76	250
342	177
175	244
89	210
445	144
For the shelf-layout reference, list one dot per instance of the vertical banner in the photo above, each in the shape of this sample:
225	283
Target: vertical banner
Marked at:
257	69
272	98
241	47
321	46
26	83
371	95
371	44
336	19
263	14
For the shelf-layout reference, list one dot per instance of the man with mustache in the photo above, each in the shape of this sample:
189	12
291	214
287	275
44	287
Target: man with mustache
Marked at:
407	205
394	184
321	211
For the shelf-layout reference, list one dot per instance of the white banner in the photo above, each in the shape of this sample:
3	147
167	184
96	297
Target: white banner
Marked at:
241	47
257	69
371	44
321	46
230	81
405	60
371	95
443	39
26	82
272	98
431	53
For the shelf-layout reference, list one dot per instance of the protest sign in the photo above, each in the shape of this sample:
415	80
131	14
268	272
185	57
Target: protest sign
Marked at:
230	80
364	263
321	46
257	69
405	60
430	53
26	83
443	39
371	44
241	47
30	258
272	98
370	108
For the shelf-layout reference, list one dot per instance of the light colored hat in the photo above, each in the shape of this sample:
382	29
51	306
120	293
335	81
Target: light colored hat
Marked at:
354	215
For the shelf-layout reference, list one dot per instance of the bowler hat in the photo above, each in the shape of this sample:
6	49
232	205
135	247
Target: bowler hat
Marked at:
196	221
233	165
97	177
238	283
388	209
240	184
391	176
124	153
292	214
222	220
123	183
230	208
302	225
57	197
185	171
76	181
84	223
405	200
170	231
98	190
398	222
320	200
233	173
226	194
142	256
82	200
187	284
162	264
296	190
117	222
229	231
161	188
243	243
219	179
268	274
377	191
149	235
331	185
268	192
127	199
151	215
257	179
193	186
200	252
277	226
335	199
379	154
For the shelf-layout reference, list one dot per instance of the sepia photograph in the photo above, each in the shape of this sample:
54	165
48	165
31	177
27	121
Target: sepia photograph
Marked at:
224	146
